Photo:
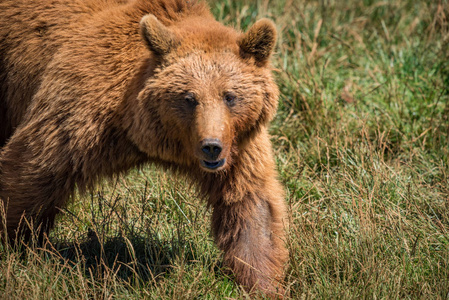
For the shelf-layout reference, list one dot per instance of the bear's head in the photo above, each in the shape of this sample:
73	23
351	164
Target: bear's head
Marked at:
210	92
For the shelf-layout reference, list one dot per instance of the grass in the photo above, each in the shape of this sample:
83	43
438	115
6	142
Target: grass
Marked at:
362	146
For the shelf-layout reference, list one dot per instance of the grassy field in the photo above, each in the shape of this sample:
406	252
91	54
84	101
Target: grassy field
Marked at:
362	146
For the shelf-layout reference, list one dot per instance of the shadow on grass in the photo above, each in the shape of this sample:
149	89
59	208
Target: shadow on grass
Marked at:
115	248
129	258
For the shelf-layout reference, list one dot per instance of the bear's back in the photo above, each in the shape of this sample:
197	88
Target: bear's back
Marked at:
30	34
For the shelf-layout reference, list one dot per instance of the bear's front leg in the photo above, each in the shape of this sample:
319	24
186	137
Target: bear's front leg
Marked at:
251	235
248	221
30	188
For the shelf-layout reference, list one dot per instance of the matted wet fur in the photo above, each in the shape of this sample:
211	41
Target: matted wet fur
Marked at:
92	88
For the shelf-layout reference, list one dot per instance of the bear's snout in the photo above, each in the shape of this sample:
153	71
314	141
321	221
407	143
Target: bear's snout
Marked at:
211	148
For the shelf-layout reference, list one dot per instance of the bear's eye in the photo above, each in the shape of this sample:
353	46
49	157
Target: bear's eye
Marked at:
230	99
190	99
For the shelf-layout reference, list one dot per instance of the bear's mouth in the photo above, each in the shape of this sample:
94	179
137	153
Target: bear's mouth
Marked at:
213	165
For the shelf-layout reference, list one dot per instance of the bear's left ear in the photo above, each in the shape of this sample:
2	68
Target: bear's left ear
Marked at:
158	37
259	41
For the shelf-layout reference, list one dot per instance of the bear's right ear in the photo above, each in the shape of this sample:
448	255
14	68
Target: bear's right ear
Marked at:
159	39
259	41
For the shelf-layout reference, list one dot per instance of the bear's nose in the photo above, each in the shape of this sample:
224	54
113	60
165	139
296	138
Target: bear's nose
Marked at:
211	148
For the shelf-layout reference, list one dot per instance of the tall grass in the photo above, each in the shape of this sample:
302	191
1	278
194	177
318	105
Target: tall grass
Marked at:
362	145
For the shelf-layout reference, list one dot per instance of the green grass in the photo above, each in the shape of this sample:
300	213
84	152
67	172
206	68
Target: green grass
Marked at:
362	146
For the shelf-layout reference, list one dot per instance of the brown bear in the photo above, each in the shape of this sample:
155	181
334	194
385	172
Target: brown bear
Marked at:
92	88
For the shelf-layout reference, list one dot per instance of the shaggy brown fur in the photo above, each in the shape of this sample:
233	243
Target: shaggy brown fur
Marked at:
91	88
